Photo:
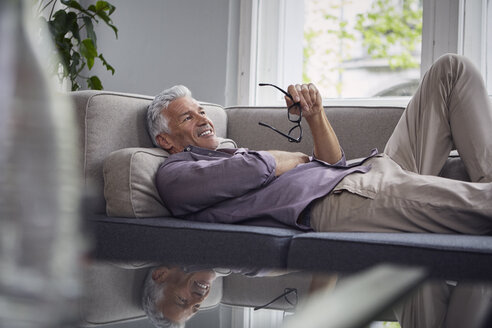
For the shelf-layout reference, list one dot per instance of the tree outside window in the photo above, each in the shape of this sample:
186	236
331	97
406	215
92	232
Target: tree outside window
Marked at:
357	48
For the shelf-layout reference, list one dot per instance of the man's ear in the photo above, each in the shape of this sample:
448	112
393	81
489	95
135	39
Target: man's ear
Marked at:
164	141
160	274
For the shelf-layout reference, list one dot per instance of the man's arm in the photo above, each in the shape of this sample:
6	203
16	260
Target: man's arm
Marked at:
286	161
326	145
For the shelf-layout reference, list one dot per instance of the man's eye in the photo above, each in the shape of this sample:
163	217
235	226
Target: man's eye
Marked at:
203	113
182	300
187	118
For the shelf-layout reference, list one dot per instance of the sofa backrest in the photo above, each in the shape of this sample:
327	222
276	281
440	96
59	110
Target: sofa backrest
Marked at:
109	121
359	129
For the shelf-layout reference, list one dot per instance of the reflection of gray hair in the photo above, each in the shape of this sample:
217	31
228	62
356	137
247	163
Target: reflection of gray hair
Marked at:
152	295
157	123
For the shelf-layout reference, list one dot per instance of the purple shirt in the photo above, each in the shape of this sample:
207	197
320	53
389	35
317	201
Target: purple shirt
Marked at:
239	186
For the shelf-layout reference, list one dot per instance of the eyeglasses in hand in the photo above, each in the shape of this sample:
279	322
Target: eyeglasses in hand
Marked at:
295	133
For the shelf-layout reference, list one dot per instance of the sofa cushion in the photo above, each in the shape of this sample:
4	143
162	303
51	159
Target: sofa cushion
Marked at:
129	181
129	187
170	240
447	256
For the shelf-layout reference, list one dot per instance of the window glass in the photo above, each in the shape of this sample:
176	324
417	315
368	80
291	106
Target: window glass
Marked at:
360	48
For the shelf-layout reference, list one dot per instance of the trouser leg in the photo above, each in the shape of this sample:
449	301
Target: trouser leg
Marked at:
426	307
450	107
438	304
469	306
390	199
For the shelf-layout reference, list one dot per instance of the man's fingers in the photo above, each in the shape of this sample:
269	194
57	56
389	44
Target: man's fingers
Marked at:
293	92
306	94
313	92
288	101
302	92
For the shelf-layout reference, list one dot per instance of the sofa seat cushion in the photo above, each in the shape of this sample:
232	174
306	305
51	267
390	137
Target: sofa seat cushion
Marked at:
170	240
129	181
450	256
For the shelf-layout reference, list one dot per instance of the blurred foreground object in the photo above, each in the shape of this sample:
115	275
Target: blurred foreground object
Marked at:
40	241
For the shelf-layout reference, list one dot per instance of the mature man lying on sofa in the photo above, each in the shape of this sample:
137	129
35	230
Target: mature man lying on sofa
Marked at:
396	191
282	188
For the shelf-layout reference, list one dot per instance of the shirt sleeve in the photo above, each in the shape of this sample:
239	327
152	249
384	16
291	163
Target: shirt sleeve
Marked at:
188	186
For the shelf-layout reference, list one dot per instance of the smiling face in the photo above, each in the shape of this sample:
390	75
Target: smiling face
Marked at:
183	292
188	125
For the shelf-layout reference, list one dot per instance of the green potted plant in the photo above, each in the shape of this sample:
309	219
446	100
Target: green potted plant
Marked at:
71	26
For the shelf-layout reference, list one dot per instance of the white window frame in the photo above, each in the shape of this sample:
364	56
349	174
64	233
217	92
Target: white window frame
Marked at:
247	48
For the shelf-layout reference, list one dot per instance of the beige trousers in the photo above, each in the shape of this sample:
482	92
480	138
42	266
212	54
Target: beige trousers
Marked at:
401	193
437	304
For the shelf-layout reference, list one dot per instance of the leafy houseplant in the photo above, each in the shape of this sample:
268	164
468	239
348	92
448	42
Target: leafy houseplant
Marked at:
72	30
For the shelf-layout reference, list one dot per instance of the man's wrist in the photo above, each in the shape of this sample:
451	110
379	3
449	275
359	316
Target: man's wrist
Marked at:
315	119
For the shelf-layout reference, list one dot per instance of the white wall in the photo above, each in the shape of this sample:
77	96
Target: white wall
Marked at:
164	42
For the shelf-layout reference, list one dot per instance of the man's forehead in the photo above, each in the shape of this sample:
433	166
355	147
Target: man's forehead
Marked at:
183	105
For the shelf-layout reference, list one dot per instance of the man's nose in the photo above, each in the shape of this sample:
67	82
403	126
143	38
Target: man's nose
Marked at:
202	120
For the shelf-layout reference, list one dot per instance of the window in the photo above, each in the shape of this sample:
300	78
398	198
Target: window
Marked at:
362	48
358	48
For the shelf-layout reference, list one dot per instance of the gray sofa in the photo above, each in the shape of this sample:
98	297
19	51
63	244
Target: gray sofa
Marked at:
116	154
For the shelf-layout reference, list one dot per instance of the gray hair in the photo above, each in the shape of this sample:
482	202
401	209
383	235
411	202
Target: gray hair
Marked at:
152	295
157	123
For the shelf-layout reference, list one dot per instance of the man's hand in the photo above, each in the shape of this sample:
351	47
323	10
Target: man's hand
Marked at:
309	98
326	145
286	161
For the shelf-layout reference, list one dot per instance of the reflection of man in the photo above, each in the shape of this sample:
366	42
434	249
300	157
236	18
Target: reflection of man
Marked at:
172	296
397	191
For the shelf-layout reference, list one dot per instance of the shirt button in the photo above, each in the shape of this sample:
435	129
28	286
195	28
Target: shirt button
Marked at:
188	149
209	154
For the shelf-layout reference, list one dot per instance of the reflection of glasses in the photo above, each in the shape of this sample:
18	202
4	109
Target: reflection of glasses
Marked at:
295	134
289	295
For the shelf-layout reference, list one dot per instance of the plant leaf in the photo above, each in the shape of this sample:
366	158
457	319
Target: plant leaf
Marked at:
102	5
106	64
94	83
89	29
108	21
72	25
72	4
89	51
58	24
